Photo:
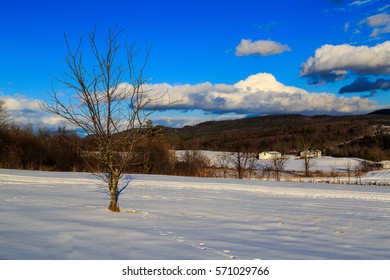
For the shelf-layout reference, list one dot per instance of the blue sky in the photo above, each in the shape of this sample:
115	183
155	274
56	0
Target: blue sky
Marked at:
224	59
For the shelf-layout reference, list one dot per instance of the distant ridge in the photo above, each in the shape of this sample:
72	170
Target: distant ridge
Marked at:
380	112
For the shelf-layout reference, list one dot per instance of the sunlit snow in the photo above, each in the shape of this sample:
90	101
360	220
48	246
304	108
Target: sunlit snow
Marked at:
48	215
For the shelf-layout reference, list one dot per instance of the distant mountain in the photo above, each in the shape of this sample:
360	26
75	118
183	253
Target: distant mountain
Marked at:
380	112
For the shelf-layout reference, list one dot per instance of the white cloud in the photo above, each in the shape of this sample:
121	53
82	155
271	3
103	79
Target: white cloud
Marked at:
332	62
260	94
380	23
264	82
378	20
260	47
26	110
21	102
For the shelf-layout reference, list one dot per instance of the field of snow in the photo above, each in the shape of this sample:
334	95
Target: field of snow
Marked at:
52	215
324	164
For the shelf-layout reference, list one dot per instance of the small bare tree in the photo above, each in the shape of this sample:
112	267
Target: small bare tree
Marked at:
223	161
333	172
305	147
349	167
192	163
266	170
277	164
4	115
243	160
114	113
307	164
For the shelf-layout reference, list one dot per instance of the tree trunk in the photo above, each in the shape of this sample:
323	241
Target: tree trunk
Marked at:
113	180
114	206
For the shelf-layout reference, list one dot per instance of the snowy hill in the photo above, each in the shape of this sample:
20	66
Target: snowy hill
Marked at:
64	216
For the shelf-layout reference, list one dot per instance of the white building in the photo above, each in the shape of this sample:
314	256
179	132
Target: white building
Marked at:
385	164
270	155
311	154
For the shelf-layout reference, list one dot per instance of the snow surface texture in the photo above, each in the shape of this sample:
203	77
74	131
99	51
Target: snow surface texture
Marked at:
64	216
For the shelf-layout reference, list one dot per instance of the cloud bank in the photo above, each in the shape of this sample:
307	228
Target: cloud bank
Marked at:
331	62
260	48
259	94
256	95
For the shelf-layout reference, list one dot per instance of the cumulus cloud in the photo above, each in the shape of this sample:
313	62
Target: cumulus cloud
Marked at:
259	94
332	62
363	84
19	102
260	48
26	110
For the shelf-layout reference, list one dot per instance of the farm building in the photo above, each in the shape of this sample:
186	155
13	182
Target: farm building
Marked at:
310	154
270	155
385	164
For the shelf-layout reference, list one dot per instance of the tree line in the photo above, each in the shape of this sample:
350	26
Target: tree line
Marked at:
21	148
29	148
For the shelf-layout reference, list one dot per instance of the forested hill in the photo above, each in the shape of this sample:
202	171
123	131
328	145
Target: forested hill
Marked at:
337	135
381	112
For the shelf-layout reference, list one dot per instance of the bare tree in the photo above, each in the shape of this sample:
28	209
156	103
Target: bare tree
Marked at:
251	166
113	112
305	147
333	172
349	168
277	164
223	161
192	163
4	115
155	155
307	164
243	160
266	169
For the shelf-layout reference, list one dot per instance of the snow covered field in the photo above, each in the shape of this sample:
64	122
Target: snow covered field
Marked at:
63	216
